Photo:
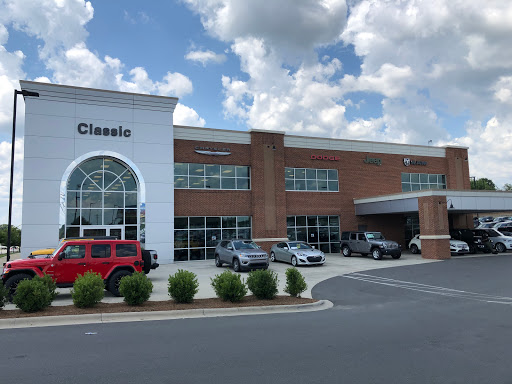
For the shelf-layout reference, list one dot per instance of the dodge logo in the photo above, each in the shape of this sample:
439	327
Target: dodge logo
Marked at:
407	161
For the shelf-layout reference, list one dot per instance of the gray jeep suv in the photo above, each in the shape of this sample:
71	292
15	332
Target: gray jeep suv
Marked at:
241	254
369	242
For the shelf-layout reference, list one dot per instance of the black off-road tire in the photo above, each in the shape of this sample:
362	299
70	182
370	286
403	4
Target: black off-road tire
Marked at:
115	280
12	283
146	257
345	250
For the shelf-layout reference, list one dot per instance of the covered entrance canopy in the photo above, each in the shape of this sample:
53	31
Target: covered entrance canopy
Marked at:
433	207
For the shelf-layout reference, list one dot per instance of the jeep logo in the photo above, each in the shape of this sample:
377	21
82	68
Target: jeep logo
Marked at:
375	161
85	129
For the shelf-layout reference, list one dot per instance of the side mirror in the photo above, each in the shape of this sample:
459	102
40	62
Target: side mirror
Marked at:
61	256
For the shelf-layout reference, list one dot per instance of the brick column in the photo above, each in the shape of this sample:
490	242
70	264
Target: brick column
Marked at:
434	230
268	190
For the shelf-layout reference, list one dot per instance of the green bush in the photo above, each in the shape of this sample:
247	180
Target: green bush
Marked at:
50	283
136	288
229	286
183	286
4	293
32	295
263	284
88	290
295	283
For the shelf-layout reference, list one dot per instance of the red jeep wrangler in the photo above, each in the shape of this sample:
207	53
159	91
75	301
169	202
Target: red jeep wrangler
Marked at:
113	259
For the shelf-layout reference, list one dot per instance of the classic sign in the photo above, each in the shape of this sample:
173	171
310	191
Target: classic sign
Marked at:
85	129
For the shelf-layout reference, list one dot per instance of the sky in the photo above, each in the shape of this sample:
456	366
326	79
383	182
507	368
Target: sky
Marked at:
402	71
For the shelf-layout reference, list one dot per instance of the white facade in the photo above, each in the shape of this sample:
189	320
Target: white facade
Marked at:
58	138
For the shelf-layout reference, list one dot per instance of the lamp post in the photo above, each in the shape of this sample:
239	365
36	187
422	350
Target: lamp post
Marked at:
25	94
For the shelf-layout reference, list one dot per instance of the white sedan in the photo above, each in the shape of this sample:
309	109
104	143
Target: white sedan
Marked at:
296	253
457	247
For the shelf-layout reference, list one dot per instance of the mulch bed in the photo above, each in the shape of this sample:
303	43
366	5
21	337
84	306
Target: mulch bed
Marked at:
168	305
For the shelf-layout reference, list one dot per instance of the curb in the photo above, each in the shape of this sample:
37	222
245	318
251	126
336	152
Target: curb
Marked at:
106	318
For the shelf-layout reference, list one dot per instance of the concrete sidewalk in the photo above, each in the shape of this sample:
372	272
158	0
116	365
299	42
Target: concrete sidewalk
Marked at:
335	265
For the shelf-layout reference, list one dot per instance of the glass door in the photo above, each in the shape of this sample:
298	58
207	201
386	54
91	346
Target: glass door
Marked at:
103	231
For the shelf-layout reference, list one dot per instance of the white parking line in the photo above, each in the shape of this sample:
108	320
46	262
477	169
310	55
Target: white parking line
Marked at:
430	289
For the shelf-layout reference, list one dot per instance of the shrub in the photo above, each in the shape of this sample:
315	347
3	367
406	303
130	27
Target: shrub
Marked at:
50	283
32	295
229	286
136	288
4	294
183	286
295	283
88	290
263	284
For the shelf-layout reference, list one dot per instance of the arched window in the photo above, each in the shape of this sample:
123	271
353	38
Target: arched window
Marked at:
102	200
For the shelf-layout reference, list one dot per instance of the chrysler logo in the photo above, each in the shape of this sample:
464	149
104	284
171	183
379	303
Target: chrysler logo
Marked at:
212	151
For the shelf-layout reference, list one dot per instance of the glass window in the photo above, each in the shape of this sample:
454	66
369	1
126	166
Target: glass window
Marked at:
126	250
228	183
321	231
421	181
74	252
229	222
213	222
181	169
196	169
310	179
212	170
100	251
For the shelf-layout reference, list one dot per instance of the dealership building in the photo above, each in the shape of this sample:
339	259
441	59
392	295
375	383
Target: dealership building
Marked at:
100	162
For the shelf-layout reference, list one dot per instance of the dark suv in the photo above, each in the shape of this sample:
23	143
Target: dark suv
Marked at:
369	242
476	242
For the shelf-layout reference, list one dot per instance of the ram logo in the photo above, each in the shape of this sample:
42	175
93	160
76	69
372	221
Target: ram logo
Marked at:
407	161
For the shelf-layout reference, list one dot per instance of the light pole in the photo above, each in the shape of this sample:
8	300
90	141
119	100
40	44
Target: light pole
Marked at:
25	94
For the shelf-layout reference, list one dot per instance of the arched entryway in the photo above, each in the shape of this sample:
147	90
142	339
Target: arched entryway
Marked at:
102	198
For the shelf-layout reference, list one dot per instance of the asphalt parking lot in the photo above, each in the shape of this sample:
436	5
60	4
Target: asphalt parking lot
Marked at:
336	265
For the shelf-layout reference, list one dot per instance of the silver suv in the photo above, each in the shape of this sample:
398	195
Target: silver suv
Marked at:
369	242
241	255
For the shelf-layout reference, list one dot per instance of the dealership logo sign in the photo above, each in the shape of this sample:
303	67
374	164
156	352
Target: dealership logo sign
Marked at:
211	151
89	129
408	162
375	161
325	157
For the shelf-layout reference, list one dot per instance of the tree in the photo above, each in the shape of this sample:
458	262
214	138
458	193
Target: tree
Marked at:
483	183
507	187
15	235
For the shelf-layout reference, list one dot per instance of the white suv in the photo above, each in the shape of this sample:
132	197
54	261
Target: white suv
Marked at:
457	247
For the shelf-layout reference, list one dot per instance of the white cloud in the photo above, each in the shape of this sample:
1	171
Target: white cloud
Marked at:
293	26
184	115
205	57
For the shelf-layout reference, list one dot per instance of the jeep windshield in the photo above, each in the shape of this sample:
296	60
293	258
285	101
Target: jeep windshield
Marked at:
299	246
374	236
244	245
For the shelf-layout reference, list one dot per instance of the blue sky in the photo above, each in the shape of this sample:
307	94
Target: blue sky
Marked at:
406	72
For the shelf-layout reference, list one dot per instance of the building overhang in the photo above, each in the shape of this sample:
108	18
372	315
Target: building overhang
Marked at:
467	201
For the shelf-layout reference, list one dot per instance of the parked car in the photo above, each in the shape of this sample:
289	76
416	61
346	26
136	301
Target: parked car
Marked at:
297	253
112	259
241	255
369	243
457	247
501	242
153	255
486	219
486	225
475	243
502	224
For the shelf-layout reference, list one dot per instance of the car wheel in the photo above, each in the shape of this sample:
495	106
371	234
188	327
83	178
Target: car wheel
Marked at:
376	254
218	263
236	265
472	248
500	247
346	251
414	248
294	261
272	256
396	256
115	281
146	257
12	283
